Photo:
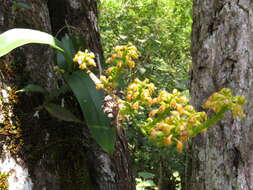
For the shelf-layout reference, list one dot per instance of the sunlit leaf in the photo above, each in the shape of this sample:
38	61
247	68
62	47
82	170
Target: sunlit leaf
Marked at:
17	37
148	183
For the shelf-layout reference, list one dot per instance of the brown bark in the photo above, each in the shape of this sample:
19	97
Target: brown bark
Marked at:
52	154
222	48
111	172
122	167
26	65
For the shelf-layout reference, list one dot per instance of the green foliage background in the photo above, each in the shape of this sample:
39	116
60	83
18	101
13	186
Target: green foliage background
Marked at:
161	31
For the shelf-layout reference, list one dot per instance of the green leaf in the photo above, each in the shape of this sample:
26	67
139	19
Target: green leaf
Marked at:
148	183
33	88
61	60
70	51
55	93
146	175
17	37
68	45
64	61
60	112
90	100
21	5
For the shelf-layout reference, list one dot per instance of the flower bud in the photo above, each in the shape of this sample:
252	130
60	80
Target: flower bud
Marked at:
167	141
179	146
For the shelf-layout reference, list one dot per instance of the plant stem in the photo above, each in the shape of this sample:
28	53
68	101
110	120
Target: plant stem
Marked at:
217	117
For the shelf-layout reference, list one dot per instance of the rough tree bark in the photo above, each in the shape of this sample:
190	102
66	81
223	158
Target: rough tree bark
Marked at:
43	153
222	51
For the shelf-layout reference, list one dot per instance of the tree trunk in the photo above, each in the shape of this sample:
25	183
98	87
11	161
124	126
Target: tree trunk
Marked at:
18	138
222	51
42	153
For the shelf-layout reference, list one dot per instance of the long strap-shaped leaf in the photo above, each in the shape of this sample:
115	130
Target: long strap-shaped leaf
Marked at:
90	100
17	37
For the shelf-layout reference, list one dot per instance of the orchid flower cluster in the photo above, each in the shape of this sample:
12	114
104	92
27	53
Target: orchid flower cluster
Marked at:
170	118
225	98
122	61
85	59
